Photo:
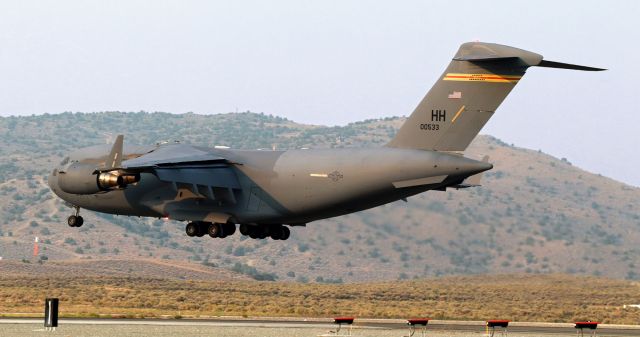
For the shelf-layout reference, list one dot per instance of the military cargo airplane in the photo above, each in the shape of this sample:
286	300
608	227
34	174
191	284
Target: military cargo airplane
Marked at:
266	192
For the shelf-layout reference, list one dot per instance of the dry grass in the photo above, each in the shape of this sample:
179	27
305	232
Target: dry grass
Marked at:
549	298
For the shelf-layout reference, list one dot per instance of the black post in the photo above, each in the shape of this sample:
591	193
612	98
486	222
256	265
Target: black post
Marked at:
51	313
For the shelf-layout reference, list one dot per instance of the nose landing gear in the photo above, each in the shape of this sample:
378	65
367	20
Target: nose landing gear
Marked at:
75	220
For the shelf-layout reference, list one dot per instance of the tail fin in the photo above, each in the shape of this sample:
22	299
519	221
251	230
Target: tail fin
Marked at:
477	80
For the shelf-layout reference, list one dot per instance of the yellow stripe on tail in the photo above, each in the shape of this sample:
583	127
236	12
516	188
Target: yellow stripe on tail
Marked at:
491	78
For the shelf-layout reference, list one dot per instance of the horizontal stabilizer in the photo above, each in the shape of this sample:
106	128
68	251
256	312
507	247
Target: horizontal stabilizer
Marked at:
419	182
481	58
560	65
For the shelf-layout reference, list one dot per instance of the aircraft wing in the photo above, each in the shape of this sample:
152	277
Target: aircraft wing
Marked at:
186	164
202	172
173	155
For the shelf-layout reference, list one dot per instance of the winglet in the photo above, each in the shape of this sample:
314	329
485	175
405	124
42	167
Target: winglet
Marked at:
115	157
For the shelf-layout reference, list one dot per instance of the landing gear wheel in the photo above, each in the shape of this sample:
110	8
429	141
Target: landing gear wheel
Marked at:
257	232
245	229
261	232
253	234
252	231
286	233
215	230
75	220
279	232
72	221
192	229
203	228
276	232
229	228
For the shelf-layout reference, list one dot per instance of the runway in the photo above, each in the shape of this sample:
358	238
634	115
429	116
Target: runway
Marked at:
286	326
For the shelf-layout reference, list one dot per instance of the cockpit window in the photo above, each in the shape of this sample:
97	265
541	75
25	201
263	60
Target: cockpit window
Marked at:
64	161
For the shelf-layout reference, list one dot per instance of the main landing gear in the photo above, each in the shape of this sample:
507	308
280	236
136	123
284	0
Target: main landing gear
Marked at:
275	232
215	230
220	230
75	220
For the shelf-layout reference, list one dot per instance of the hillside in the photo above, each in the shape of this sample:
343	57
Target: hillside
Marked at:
534	214
118	268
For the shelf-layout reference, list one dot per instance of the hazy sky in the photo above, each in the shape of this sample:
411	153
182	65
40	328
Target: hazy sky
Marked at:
330	62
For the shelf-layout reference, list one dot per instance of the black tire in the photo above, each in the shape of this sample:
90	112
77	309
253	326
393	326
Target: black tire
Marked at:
80	221
254	234
72	220
261	232
286	233
245	229
229	229
192	229
201	231
276	232
215	230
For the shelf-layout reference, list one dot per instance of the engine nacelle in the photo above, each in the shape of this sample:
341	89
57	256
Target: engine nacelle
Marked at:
80	178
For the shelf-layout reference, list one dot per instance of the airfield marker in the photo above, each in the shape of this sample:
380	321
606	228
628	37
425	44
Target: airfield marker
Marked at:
339	321
493	323
580	326
415	322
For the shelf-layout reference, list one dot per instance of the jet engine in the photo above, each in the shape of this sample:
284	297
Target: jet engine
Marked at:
80	178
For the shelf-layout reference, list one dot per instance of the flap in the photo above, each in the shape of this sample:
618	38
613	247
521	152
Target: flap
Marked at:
209	176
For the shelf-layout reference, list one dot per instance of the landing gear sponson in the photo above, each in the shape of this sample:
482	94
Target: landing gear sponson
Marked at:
220	230
75	220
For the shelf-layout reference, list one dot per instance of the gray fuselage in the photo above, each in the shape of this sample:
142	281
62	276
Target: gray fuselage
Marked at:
289	187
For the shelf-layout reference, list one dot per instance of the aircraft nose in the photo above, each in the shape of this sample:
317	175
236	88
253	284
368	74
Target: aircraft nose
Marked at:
52	179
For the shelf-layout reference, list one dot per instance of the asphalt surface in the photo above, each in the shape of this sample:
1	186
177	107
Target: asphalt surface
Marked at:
371	326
